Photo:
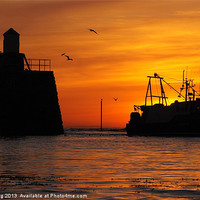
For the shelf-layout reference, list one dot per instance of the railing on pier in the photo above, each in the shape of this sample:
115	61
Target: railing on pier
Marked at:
39	64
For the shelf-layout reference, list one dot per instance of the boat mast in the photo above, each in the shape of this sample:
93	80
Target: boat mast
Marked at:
149	90
162	93
187	85
162	97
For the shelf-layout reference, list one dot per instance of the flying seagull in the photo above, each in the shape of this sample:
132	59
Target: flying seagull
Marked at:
92	30
62	54
68	58
115	99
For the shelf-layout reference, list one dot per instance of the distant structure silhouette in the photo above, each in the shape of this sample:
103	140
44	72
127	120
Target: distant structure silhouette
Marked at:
68	58
92	30
29	99
101	128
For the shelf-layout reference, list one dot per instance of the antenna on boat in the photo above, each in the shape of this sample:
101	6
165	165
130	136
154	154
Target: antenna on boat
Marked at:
188	85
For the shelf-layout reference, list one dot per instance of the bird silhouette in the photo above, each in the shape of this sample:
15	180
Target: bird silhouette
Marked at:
68	58
62	54
92	30
115	99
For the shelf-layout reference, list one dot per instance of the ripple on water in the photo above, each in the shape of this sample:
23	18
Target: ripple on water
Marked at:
102	166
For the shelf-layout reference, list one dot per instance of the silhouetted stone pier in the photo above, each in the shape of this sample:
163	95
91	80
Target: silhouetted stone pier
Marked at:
28	99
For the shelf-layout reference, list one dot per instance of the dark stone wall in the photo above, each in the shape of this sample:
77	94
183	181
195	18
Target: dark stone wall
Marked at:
11	62
29	104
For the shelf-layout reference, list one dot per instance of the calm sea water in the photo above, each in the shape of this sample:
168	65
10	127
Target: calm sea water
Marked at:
99	165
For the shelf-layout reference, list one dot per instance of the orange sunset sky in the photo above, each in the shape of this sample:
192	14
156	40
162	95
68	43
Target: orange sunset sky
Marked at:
136	38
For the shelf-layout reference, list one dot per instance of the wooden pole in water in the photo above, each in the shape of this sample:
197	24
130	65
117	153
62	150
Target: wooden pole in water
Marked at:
101	114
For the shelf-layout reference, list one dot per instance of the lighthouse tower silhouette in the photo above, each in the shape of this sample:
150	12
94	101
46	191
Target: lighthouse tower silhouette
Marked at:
29	99
11	41
11	60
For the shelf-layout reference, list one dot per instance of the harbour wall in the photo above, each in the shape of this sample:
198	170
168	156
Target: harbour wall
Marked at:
29	104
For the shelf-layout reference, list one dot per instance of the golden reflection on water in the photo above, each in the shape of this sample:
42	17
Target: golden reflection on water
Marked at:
103	166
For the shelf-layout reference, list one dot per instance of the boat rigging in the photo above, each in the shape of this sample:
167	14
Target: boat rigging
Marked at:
159	119
187	85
